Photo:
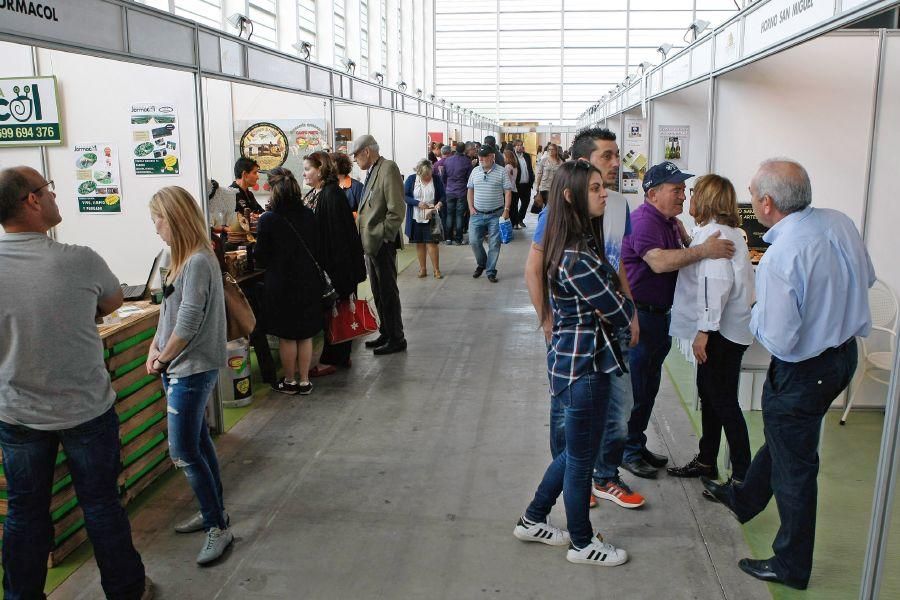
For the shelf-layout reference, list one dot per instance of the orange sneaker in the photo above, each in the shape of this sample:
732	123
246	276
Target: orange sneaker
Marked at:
615	490
593	503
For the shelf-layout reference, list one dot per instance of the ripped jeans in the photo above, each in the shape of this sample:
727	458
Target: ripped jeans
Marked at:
190	446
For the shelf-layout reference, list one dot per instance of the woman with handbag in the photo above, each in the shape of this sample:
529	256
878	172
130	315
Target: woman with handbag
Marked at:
586	308
424	198
341	248
287	245
187	352
546	170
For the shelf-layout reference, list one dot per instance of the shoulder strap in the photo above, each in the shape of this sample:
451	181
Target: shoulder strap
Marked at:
302	243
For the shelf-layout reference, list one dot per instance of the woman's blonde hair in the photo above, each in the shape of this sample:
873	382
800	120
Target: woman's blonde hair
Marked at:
714	198
424	168
189	232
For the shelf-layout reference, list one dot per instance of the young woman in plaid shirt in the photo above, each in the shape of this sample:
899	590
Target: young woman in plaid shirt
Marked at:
586	308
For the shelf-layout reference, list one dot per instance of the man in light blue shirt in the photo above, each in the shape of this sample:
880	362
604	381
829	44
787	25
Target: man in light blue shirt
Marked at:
489	196
812	301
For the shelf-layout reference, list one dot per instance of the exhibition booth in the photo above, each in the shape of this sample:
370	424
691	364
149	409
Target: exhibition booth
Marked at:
113	100
809	86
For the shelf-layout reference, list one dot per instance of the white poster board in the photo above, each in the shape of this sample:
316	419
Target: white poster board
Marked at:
635	153
29	112
675	142
155	144
98	188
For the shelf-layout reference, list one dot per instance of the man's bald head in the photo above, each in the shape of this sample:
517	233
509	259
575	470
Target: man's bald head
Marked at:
15	184
786	182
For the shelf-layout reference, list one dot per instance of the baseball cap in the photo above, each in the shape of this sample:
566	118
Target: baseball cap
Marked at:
486	151
664	172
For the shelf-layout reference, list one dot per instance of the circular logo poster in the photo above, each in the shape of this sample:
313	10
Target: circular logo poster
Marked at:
266	144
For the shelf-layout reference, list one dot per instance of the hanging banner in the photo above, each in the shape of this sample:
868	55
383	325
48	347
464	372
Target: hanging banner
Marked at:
674	142
635	153
779	20
154	138
97	182
29	112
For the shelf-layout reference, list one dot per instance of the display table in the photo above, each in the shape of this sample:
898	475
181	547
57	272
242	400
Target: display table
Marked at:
141	406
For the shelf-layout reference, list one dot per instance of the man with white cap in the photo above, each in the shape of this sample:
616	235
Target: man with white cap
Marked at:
380	216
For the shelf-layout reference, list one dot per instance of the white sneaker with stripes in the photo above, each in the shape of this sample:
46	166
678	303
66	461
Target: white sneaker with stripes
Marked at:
544	533
597	553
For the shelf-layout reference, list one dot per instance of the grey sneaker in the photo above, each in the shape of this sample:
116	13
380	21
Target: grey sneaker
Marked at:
195	523
217	541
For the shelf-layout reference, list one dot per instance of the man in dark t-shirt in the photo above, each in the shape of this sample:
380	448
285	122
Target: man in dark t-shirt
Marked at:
246	175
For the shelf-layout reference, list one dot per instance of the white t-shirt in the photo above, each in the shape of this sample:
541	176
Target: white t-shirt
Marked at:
715	294
52	374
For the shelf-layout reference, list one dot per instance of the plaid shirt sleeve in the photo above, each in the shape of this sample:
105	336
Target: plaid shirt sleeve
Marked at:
588	278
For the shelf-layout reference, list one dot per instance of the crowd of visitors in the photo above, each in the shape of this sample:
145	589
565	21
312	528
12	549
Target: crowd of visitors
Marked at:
611	288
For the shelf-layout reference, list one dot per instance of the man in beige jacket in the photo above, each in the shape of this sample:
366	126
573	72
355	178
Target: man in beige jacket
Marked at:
380	217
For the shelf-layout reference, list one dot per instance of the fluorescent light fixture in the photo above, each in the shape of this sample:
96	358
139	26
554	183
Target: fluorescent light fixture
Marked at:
242	24
645	66
431	97
697	27
419	92
401	85
304	48
378	76
664	50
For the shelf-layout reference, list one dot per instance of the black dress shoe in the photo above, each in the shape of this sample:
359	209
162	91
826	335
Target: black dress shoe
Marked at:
492	278
762	569
654	460
478	272
381	340
640	468
694	469
391	347
718	492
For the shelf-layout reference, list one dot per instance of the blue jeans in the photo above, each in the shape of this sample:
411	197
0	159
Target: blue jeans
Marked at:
190	446
615	429
479	225
796	397
93	456
584	404
456	216
646	362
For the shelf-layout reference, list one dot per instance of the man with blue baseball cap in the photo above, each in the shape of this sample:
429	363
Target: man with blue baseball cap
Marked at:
657	247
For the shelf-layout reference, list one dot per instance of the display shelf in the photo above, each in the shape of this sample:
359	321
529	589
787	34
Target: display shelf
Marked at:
141	407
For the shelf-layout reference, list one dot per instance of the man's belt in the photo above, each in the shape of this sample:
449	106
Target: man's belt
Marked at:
652	308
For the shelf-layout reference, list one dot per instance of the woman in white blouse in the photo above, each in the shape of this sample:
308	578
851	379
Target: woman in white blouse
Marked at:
424	194
711	312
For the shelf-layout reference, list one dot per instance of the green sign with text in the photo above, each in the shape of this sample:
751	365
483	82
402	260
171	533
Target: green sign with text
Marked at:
29	112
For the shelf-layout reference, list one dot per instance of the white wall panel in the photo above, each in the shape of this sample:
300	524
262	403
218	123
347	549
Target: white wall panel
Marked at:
382	128
787	105
411	137
126	240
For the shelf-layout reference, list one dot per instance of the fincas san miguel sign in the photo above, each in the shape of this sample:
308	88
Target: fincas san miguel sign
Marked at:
29	112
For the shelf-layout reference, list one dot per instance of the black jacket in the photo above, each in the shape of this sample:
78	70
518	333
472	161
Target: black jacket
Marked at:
341	248
527	158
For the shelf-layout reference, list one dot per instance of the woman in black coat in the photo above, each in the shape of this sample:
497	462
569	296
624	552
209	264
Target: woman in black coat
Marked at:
287	246
342	252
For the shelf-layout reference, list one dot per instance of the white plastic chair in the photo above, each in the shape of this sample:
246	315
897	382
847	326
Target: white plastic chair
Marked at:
883	307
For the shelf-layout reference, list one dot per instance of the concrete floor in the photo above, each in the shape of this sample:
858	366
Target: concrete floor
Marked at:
403	478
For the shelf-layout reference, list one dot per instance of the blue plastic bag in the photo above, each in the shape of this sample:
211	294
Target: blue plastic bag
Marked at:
506	231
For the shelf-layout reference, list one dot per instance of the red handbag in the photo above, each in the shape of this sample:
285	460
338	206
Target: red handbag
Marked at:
351	319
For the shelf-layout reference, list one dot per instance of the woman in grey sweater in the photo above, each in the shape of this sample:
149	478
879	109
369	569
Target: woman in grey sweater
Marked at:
187	351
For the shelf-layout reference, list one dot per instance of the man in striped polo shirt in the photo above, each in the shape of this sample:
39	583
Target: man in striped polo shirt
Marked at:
489	196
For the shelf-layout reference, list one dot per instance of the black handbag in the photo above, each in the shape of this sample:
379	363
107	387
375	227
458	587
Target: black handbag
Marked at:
329	294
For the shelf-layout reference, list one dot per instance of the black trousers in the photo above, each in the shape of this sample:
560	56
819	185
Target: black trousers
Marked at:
796	397
382	269
517	213
717	384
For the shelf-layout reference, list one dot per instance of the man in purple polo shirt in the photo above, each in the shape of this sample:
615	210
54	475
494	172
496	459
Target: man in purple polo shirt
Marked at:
455	175
656	248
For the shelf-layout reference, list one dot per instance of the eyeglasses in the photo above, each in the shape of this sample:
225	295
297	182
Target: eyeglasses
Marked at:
49	185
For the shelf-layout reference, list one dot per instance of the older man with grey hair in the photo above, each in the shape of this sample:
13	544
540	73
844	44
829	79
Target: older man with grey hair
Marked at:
379	218
812	301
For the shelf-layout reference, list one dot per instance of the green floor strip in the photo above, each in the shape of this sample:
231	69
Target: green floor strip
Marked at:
846	478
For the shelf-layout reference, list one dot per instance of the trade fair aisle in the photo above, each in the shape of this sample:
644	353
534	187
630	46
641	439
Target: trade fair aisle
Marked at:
403	478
